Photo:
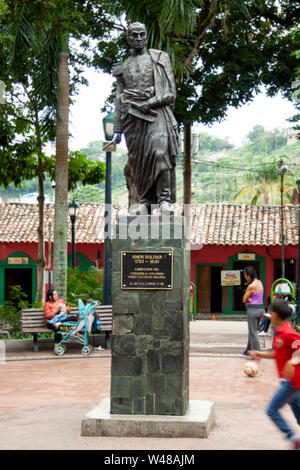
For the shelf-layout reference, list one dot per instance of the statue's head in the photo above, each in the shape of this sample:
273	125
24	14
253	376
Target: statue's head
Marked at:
137	35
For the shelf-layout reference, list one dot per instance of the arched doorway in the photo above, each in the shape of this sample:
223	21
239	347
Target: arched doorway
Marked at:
18	269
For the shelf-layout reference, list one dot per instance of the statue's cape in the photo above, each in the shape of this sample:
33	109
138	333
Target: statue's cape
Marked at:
162	59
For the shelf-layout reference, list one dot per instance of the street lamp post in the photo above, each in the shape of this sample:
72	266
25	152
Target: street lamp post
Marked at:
283	171
72	213
298	265
108	126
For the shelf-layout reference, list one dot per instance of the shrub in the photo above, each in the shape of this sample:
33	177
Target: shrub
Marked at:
11	311
84	285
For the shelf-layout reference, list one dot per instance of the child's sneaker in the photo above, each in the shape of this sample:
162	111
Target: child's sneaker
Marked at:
296	444
267	315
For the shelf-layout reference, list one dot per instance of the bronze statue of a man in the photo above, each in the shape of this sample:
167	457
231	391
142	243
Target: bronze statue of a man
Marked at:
143	112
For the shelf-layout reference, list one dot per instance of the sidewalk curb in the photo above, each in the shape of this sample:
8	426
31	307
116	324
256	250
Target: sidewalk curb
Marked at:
17	345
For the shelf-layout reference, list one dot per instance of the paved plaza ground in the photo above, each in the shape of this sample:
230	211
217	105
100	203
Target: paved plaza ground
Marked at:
43	398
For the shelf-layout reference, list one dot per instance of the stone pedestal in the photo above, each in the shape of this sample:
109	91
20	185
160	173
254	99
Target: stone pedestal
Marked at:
150	338
196	423
150	342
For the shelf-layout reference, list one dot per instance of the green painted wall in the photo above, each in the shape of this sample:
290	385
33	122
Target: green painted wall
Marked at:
5	265
85	263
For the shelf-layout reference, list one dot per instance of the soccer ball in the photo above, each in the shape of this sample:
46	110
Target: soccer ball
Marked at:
251	369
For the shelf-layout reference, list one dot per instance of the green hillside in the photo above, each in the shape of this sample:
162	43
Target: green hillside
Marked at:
249	174
220	173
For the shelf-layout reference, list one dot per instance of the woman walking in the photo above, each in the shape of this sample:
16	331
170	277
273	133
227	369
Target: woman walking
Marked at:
253	298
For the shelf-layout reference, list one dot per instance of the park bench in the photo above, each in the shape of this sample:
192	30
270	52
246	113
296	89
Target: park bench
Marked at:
34	322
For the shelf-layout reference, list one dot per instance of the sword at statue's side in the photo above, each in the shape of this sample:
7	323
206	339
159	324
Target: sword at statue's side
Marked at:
109	144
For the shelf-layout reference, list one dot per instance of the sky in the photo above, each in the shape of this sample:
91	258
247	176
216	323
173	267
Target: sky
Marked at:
86	117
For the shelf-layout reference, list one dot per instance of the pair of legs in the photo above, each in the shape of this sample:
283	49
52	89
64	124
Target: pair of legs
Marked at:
263	327
286	394
253	317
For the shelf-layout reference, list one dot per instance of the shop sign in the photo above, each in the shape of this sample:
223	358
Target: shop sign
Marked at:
230	278
246	256
17	260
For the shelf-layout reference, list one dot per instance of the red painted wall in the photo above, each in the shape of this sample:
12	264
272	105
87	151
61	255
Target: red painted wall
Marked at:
90	251
31	249
208	254
220	254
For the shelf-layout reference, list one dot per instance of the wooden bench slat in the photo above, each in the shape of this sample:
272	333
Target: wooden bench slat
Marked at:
36	330
37	317
35	320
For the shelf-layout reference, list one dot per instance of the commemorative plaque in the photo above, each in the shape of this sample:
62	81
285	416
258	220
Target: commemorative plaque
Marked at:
147	270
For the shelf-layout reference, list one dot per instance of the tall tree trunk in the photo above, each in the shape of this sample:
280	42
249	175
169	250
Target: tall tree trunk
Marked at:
60	260
187	167
40	294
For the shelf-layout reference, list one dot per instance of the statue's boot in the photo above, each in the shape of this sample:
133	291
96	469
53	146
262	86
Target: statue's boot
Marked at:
138	209
163	191
166	208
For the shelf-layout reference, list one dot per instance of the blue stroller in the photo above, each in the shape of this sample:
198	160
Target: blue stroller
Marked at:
78	332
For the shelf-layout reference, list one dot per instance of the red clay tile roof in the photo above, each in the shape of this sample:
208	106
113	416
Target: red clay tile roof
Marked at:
212	224
231	224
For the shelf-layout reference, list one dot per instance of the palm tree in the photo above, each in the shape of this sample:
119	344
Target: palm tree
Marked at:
28	51
38	32
262	186
61	174
36	39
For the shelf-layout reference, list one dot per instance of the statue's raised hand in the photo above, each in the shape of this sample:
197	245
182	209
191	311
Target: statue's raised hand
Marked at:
117	138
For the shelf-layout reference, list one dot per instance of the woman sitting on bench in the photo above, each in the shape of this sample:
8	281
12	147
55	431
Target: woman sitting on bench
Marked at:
56	312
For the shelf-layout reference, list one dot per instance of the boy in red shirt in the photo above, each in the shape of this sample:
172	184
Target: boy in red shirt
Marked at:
286	352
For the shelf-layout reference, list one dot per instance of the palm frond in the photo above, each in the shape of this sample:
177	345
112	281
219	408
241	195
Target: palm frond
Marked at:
45	77
242	193
32	51
179	16
239	5
22	33
255	198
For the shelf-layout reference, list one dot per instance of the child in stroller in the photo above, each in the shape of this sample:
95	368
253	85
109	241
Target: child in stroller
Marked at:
60	317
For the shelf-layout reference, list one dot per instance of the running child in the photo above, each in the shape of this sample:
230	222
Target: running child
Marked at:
286	352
